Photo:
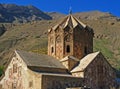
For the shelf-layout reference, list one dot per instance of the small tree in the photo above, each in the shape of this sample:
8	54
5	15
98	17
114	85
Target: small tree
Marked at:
1	70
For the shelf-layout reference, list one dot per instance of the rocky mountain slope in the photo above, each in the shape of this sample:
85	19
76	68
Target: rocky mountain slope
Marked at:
32	36
10	13
55	15
94	15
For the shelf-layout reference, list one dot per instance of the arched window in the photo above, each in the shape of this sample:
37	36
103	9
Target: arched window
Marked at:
52	50
31	84
14	85
68	49
85	50
67	38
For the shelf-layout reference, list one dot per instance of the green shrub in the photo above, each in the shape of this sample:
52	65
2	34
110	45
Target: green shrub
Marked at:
1	70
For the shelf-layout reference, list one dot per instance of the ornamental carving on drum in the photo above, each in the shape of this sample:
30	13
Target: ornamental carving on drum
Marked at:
68	38
58	39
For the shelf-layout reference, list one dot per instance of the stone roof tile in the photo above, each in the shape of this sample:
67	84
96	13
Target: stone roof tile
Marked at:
70	21
39	60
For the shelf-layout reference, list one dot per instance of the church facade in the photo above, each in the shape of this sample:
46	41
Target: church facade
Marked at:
70	63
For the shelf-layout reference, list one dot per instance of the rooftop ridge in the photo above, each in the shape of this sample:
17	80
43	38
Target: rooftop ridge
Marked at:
81	23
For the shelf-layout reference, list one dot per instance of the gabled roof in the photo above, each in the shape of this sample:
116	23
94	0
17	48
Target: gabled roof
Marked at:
39	60
84	62
69	58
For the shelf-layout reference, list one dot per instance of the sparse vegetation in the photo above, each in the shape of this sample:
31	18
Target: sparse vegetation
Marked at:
32	36
101	45
40	51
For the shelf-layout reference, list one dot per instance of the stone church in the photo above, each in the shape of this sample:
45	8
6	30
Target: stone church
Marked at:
70	63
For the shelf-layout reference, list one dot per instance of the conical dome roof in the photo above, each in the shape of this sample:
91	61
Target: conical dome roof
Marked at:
70	21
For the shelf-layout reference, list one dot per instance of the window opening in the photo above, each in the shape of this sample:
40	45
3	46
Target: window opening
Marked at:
68	49
85	50
52	50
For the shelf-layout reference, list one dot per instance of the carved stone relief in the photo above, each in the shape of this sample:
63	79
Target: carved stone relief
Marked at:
68	38
51	40
58	39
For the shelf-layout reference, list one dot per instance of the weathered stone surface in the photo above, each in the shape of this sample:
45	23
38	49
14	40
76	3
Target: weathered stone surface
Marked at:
70	37
71	42
98	74
60	82
18	76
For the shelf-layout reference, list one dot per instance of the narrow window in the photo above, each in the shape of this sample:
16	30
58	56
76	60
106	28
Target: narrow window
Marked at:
85	50
52	50
14	68
14	86
68	49
19	71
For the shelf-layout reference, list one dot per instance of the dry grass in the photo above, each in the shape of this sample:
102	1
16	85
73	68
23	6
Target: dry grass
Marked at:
33	37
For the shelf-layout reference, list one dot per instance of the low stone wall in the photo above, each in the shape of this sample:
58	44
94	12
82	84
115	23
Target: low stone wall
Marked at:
60	82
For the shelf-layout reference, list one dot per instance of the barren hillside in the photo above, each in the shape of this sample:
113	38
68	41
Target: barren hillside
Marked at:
32	36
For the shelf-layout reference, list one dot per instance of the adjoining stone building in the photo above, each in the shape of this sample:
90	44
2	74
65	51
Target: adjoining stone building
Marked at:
70	62
33	71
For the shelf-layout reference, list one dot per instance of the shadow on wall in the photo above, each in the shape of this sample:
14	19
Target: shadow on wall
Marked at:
118	83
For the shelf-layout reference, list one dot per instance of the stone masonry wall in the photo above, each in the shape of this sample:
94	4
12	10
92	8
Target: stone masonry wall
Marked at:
69	64
60	82
99	74
14	75
83	42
